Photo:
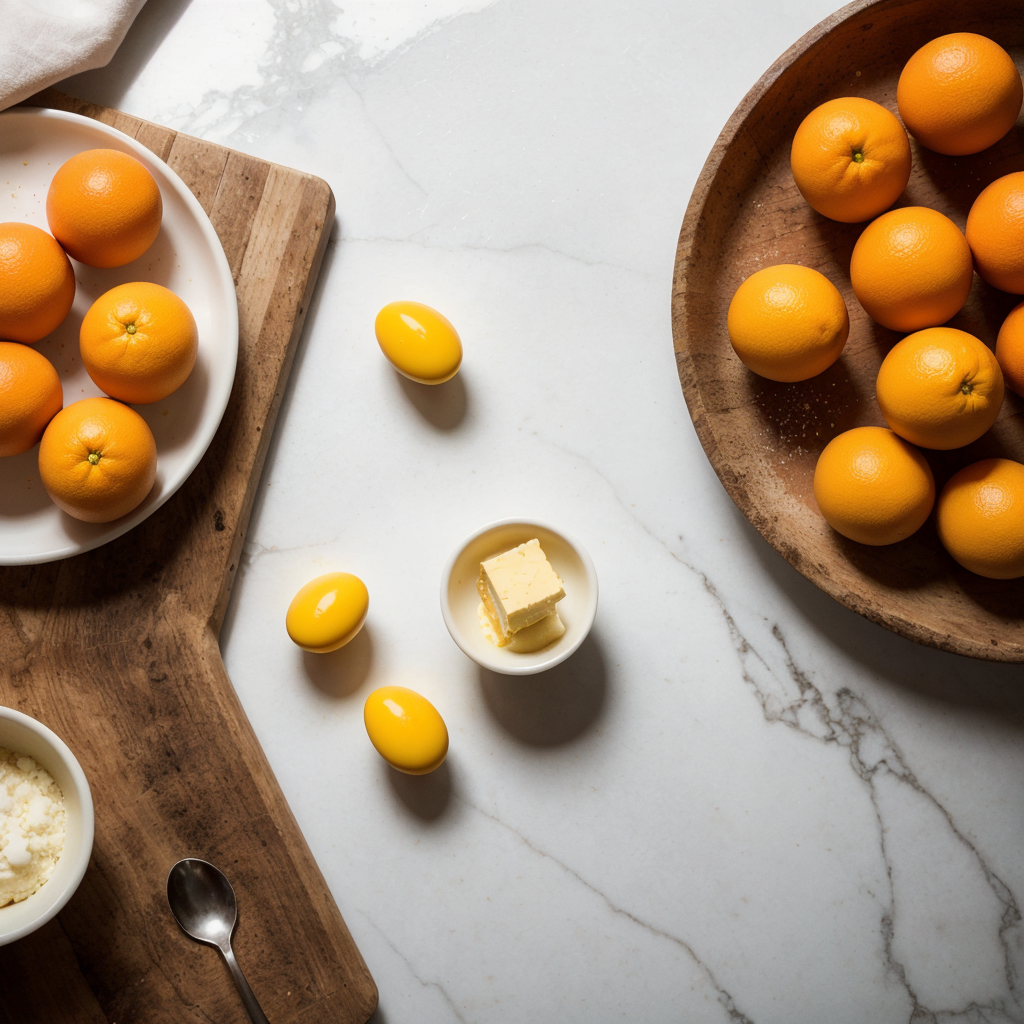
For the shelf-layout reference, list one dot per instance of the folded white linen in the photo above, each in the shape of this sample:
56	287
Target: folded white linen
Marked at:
43	41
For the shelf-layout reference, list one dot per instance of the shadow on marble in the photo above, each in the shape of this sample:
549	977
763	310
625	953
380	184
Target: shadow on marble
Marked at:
426	796
553	707
108	85
342	672
443	406
989	687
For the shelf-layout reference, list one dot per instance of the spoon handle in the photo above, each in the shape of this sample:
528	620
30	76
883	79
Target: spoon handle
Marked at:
256	1015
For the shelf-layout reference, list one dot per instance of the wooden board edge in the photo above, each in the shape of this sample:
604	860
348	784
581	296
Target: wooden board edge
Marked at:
321	898
326	197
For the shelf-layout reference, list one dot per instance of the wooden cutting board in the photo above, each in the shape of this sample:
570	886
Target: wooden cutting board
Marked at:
116	650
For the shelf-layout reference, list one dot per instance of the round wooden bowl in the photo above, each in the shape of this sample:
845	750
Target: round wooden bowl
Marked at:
764	438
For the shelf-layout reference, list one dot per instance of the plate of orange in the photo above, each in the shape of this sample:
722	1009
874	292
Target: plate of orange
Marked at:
764	434
179	407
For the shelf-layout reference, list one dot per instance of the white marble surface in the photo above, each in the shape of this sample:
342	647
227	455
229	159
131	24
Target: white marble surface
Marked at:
738	802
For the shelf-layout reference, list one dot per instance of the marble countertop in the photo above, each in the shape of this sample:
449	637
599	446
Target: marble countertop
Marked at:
738	801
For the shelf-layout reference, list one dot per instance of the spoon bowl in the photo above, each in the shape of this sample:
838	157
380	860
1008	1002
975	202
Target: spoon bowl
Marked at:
203	903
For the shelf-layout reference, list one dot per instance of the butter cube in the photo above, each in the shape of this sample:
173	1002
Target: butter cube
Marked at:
529	638
538	636
518	588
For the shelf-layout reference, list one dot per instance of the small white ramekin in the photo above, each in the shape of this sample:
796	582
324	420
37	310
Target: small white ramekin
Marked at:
459	597
25	735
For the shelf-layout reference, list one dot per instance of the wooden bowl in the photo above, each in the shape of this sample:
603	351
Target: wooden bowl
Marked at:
763	438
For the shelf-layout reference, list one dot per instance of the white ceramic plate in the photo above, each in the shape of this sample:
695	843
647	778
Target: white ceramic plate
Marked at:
459	597
187	258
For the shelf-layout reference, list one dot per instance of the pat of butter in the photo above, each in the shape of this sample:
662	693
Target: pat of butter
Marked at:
518	588
529	638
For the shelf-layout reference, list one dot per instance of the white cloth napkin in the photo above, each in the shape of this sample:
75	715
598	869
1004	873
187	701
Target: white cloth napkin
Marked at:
43	41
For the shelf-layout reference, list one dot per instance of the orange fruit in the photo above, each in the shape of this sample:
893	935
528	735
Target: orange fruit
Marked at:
139	342
850	159
104	207
788	322
97	459
1010	349
995	233
980	515
37	283
959	94
911	268
873	487
940	388
30	396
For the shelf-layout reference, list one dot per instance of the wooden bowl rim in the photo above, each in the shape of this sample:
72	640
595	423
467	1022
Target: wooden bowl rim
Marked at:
681	326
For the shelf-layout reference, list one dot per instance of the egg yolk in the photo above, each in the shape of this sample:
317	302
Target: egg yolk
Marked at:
327	612
406	729
418	342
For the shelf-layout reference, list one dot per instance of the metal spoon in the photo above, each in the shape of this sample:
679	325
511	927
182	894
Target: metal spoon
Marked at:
203	903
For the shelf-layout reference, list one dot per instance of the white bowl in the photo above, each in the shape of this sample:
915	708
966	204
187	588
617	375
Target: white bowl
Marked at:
25	735
459	597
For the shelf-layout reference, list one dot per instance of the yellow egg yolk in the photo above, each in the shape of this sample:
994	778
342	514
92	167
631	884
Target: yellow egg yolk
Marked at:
327	612
418	342
406	729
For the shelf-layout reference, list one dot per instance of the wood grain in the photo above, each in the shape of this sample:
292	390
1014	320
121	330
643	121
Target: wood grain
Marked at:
116	650
763	438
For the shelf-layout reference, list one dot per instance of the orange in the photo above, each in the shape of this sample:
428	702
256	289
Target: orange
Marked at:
104	207
995	233
97	459
139	342
959	94
980	515
873	487
911	268
788	322
37	284
1010	349
940	388
850	159
30	396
